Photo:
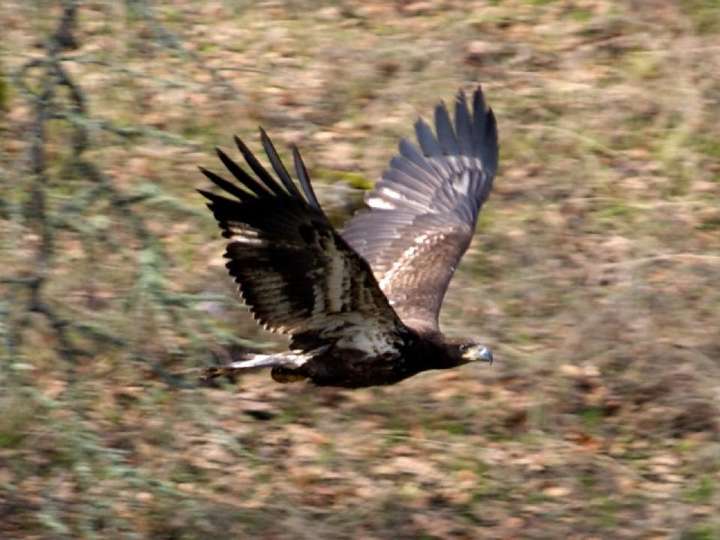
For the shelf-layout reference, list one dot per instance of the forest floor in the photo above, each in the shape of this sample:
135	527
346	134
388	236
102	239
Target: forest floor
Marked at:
593	275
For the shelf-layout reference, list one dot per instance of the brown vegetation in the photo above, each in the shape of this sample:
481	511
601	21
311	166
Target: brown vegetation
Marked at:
594	274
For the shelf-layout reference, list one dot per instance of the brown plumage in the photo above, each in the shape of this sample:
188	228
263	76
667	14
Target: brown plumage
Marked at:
361	307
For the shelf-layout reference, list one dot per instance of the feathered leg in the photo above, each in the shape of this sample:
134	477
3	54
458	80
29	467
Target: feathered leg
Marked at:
284	374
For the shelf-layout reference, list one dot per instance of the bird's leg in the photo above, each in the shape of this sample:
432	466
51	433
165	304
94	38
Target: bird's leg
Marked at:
283	374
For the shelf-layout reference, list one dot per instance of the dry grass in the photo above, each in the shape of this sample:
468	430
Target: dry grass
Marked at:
594	276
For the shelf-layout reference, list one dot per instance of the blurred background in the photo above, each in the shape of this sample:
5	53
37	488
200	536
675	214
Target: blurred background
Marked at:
594	273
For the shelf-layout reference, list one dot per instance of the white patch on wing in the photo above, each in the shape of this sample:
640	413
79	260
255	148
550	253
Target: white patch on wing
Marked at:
243	234
382	204
384	197
449	165
454	162
391	193
462	185
248	240
476	163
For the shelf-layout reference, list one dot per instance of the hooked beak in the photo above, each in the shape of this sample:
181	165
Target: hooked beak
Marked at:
478	353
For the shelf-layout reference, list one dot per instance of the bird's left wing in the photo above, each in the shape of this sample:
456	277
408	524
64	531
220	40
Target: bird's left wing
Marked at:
423	211
294	271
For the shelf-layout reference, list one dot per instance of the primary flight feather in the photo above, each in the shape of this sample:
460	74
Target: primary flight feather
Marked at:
361	306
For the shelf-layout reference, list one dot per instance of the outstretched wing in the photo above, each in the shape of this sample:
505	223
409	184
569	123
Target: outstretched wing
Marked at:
294	271
423	211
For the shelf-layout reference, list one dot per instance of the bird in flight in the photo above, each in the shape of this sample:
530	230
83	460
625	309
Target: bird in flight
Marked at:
360	305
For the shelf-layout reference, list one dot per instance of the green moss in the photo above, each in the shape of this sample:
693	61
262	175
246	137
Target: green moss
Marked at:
187	473
198	131
700	532
643	64
18	413
457	428
702	492
207	47
356	180
11	439
482	20
4	91
704	14
491	491
710	224
607	510
536	498
580	14
592	417
172	15
587	480
615	210
706	145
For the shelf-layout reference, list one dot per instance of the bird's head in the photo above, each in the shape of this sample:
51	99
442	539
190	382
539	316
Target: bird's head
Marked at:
474	352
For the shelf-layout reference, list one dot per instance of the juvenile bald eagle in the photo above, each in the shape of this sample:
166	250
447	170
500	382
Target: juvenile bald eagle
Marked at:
361	306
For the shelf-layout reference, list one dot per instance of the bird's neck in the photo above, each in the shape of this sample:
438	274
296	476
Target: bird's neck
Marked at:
438	353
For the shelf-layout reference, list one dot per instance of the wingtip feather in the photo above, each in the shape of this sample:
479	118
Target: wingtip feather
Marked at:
277	164
208	195
445	131
304	179
262	174
426	139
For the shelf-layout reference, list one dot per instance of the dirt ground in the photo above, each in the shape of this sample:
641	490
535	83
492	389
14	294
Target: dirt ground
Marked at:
593	275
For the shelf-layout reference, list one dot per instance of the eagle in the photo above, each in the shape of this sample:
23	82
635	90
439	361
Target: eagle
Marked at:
360	305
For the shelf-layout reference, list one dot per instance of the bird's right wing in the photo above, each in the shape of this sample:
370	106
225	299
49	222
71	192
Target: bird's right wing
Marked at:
423	211
294	271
